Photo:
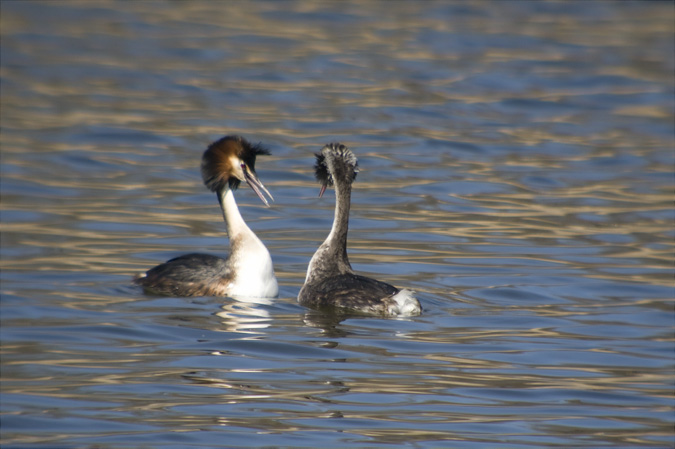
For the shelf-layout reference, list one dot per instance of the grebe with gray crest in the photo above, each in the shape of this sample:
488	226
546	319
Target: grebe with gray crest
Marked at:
330	282
248	270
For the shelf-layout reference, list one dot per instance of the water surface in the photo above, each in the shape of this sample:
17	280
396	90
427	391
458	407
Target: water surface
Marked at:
516	171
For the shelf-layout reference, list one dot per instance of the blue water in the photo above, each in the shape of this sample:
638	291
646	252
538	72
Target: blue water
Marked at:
517	170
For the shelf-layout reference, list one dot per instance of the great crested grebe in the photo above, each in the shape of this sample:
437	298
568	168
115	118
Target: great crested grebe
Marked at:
331	283
248	271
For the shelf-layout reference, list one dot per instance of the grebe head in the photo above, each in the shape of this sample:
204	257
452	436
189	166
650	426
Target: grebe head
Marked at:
335	163
231	160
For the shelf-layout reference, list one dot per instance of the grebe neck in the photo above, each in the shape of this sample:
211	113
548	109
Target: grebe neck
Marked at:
249	260
237	229
331	257
233	220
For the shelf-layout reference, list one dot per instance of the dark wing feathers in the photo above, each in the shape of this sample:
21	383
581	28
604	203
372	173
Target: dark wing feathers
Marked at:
186	275
351	291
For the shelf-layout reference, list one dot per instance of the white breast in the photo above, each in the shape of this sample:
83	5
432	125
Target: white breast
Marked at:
254	272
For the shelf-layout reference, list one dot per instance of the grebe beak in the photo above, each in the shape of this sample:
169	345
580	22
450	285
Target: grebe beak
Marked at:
323	189
255	184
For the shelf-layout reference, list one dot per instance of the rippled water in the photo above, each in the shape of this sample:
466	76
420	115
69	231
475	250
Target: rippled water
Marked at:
516	171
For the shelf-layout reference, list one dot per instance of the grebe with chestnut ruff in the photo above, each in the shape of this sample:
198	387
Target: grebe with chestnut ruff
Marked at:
248	271
331	283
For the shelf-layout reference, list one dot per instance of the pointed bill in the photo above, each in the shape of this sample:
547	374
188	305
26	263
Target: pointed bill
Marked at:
256	185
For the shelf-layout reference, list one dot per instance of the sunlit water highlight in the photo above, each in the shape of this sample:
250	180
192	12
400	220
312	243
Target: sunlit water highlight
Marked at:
516	171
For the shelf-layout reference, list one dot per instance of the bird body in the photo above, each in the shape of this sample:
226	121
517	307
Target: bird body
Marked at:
248	271
331	283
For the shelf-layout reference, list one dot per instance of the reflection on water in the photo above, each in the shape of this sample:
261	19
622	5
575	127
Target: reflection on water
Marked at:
245	315
516	171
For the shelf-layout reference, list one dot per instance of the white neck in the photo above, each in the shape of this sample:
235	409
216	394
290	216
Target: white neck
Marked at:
233	220
249	258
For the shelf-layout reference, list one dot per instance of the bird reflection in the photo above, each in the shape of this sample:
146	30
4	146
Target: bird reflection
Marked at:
246	315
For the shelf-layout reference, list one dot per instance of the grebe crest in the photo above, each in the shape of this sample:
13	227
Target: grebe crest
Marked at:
229	161
330	282
335	158
248	271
